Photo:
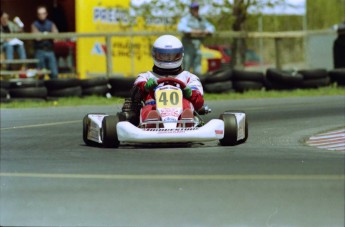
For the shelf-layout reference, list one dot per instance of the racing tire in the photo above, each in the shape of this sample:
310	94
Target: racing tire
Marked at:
66	92
100	90
248	76
23	83
269	85
218	76
218	87
54	84
85	130
230	130
242	86
311	74
109	133
29	92
93	82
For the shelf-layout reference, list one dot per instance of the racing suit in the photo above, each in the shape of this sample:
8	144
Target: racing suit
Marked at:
196	101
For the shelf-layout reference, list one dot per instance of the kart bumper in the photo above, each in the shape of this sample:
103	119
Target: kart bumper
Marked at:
127	132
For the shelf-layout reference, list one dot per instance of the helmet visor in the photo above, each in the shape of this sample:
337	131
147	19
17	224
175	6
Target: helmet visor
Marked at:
167	55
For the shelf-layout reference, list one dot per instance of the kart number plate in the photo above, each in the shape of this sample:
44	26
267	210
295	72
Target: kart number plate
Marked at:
169	98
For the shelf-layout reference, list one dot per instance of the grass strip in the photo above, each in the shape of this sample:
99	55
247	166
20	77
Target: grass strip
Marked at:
103	101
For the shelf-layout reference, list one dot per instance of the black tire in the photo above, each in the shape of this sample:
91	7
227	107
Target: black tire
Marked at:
230	130
29	92
315	83
23	83
121	83
4	93
248	76
338	76
287	78
218	76
93	82
109	133
54	84
218	87
97	90
247	85
311	74
277	85
85	131
66	92
5	84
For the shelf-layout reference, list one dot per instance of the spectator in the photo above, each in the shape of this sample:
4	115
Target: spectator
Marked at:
10	45
44	47
194	29
339	47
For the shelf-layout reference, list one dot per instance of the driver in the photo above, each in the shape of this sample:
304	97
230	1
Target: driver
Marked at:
167	53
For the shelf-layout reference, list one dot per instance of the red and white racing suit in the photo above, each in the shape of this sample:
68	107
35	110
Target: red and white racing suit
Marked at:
196	101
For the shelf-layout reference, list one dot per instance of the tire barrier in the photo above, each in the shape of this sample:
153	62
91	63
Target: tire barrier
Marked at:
121	86
95	86
59	88
220	81
337	76
247	80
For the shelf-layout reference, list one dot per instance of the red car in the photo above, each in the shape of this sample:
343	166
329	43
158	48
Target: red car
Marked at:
252	59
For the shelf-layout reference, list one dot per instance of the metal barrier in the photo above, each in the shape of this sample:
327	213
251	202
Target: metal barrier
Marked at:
276	36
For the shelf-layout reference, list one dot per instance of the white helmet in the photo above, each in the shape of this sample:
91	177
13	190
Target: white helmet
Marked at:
167	52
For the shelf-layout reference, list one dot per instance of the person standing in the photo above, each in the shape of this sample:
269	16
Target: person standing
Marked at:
10	45
339	47
44	47
194	28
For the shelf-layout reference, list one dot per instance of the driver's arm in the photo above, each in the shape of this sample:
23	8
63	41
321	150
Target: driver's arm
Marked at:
197	98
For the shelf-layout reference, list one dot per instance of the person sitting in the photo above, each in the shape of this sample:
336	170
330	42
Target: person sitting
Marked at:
10	45
167	53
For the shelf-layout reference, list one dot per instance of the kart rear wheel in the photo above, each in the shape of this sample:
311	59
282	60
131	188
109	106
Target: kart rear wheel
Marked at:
109	133
85	131
230	130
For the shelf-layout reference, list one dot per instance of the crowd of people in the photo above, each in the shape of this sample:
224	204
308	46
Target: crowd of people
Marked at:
43	48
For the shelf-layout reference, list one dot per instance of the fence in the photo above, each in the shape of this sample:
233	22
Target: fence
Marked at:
277	37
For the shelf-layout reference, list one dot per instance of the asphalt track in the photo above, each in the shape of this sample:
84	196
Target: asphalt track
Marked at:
49	178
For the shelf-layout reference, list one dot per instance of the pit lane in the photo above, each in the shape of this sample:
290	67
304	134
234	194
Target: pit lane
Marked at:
48	177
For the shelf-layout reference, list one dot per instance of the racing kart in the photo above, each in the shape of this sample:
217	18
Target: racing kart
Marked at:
127	126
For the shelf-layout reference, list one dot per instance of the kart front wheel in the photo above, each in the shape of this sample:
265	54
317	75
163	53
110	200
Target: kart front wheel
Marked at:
109	133
231	130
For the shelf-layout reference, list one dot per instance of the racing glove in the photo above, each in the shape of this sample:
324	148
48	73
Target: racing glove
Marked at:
187	92
150	84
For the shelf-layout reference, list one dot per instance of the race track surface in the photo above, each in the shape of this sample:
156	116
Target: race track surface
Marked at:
50	178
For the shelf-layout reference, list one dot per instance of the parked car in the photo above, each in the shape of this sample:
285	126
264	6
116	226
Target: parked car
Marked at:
252	58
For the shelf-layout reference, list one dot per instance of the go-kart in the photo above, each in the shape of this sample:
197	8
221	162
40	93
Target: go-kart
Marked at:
127	126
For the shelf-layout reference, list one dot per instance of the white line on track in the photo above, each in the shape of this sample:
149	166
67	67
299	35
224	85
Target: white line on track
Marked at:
42	125
174	177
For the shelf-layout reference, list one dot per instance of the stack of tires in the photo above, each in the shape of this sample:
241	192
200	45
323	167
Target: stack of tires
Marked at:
121	86
314	78
217	81
27	89
4	86
247	80
338	76
94	86
282	79
63	88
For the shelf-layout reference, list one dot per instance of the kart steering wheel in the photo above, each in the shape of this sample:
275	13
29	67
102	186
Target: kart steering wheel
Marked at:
174	80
